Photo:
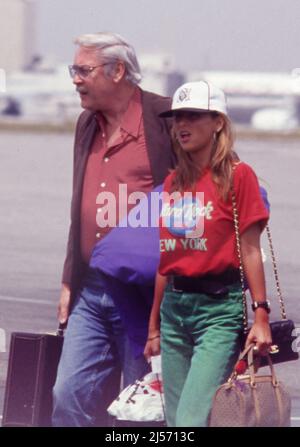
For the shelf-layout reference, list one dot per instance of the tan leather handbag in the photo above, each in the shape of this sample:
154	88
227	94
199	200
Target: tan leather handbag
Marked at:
251	400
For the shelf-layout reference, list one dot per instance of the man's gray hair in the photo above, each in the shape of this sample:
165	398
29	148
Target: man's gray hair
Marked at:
113	48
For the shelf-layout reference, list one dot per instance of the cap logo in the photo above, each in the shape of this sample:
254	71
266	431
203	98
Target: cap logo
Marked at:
184	95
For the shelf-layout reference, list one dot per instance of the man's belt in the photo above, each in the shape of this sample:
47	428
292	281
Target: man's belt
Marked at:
210	284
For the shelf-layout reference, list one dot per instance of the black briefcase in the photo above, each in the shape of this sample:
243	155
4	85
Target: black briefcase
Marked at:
32	369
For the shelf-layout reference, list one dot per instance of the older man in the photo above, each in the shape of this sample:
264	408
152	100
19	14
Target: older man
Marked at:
119	140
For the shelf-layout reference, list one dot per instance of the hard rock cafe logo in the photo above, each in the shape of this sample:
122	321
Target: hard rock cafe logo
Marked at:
184	95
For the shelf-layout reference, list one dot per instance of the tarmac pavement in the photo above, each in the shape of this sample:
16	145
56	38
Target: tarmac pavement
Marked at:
35	180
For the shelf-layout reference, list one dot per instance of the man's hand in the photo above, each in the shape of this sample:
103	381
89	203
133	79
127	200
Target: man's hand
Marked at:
64	304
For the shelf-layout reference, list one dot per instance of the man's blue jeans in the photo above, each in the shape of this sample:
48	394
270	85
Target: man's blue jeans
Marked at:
94	353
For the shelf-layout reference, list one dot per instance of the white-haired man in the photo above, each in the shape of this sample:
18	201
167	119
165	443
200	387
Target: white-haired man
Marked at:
119	140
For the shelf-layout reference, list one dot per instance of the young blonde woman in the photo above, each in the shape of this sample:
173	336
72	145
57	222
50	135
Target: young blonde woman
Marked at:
196	318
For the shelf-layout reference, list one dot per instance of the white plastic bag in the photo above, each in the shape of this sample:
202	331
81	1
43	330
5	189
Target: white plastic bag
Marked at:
141	402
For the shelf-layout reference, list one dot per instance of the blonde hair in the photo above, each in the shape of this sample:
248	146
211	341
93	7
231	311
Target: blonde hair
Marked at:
221	162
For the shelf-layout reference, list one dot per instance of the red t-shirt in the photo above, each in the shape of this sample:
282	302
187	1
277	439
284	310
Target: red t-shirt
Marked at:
184	249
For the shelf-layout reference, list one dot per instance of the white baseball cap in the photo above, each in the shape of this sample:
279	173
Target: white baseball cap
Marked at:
197	96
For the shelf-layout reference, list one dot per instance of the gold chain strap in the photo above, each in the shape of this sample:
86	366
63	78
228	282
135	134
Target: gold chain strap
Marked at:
278	288
241	268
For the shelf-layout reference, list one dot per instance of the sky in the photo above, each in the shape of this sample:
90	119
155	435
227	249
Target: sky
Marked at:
256	35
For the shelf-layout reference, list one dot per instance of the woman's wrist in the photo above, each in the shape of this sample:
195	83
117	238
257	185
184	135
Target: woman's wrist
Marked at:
261	304
261	315
153	333
154	337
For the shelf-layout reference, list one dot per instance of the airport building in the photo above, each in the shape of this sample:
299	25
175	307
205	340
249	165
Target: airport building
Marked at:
17	33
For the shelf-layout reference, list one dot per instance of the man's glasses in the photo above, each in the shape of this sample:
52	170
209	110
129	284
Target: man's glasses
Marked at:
83	71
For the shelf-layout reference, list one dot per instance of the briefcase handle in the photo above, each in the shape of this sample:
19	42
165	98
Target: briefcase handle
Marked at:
61	329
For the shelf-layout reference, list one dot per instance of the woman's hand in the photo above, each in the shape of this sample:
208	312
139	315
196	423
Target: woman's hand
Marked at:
152	347
260	334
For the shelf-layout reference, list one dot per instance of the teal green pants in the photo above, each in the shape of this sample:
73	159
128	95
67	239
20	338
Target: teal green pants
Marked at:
199	347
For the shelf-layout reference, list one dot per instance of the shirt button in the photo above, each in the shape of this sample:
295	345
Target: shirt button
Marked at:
103	184
98	235
99	210
106	159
